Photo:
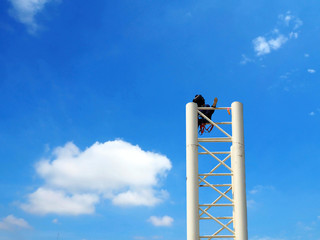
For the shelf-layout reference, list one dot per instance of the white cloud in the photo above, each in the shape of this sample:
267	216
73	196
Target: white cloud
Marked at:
259	188
146	197
293	35
26	10
289	19
45	201
287	29
11	222
311	70
245	59
55	221
115	170
317	111
164	221
263	46
277	42
298	23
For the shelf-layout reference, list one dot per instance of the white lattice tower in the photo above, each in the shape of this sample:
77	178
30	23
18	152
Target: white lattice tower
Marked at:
225	207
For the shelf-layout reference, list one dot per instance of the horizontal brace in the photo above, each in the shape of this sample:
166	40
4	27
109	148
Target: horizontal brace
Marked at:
217	205
215	185
211	108
223	123
218	236
208	218
215	174
219	139
202	153
219	123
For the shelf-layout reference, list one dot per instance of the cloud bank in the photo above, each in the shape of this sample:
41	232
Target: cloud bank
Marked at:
25	11
75	181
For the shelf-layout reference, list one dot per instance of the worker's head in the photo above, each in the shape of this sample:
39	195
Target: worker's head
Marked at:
198	99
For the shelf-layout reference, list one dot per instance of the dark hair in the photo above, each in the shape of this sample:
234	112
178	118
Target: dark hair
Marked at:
198	99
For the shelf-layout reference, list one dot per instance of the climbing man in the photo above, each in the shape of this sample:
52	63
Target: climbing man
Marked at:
199	100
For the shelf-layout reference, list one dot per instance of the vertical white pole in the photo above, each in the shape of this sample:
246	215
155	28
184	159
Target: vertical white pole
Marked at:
192	172
238	168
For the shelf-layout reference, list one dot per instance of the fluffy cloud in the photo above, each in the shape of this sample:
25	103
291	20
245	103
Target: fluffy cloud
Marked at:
164	221
115	170
45	201
263	46
25	11
11	222
289	24
311	70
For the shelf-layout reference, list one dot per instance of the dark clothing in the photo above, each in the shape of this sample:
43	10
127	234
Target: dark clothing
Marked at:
208	113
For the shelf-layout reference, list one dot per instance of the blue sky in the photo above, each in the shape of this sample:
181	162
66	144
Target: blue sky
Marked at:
92	102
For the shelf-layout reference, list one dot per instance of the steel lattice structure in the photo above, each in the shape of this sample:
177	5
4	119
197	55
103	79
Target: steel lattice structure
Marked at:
224	177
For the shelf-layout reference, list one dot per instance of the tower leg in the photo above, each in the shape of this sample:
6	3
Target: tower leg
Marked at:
192	172
238	168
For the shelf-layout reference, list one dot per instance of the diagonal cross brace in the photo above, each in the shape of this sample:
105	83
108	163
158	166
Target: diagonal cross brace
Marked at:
215	168
213	123
212	217
215	201
216	233
213	187
215	157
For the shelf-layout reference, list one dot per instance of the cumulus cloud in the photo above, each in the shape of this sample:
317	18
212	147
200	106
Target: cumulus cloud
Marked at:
26	10
276	43
164	221
44	201
114	170
11	222
283	31
311	70
263	46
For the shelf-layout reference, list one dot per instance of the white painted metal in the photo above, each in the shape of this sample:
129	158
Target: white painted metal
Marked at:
192	172
236	226
238	167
